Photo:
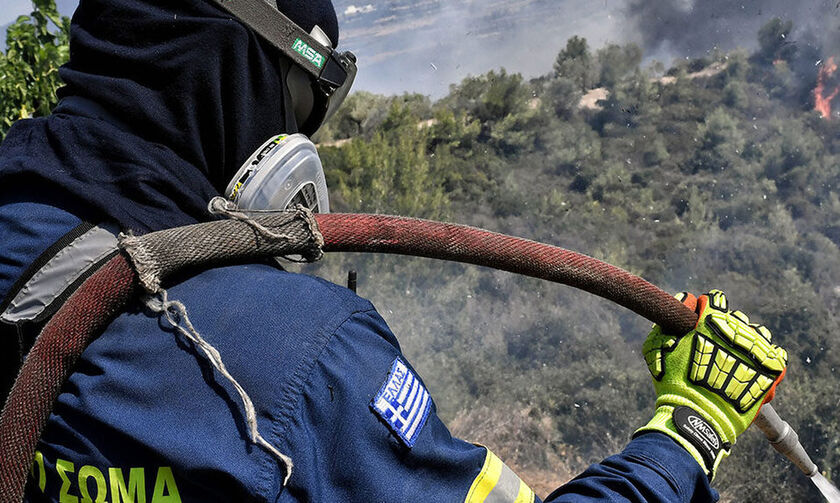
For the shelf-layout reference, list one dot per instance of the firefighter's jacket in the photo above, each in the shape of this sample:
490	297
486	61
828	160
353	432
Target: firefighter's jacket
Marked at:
163	101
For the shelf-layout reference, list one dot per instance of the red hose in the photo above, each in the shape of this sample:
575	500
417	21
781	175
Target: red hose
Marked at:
50	362
460	243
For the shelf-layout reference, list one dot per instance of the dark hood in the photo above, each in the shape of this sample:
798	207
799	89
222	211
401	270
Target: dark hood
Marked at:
163	102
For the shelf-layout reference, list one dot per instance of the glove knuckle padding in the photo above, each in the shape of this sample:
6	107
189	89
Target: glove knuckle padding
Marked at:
741	316
717	300
654	350
716	368
723	369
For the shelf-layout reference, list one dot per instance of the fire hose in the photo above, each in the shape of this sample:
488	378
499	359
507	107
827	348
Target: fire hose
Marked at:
107	292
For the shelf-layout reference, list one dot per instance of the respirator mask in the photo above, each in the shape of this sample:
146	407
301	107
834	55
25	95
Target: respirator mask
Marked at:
286	170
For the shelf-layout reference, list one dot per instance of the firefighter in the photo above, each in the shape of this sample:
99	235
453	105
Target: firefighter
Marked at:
163	101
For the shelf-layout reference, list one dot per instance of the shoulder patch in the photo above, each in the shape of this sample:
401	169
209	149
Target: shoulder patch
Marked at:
403	403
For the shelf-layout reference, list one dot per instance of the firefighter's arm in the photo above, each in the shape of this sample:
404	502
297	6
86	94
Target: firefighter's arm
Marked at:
651	469
366	429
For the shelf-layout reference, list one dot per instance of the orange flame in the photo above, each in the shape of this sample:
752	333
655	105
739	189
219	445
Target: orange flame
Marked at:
822	101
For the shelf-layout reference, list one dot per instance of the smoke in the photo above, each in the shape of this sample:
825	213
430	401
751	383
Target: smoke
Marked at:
691	28
426	45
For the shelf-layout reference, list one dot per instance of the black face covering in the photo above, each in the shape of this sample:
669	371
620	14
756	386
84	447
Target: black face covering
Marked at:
164	100
308	13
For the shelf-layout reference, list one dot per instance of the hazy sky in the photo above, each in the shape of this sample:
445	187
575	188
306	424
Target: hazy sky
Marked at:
12	9
439	42
426	45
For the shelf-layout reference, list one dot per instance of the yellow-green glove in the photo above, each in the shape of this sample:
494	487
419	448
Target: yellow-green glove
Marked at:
712	381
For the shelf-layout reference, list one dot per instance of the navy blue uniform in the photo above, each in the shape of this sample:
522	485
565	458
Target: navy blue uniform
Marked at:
162	102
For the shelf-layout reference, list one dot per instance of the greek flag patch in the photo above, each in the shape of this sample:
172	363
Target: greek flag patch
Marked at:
403	403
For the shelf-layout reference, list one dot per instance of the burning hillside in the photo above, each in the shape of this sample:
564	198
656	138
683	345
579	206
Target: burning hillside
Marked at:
827	88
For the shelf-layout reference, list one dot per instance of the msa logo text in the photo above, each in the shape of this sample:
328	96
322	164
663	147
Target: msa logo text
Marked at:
309	53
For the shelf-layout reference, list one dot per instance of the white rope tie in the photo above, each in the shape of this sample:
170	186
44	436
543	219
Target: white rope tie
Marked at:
176	314
221	206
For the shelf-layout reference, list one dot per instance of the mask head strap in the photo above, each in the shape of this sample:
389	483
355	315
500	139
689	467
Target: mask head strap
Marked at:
332	72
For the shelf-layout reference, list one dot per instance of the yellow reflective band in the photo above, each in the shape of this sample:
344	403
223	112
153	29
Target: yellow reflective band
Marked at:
496	483
486	480
526	495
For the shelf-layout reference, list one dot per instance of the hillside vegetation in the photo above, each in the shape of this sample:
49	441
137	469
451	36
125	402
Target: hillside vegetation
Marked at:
714	173
724	179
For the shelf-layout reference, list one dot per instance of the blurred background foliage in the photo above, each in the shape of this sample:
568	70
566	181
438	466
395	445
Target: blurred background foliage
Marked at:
715	172
36	45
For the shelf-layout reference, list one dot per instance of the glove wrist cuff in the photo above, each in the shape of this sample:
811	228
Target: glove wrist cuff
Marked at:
688	428
699	400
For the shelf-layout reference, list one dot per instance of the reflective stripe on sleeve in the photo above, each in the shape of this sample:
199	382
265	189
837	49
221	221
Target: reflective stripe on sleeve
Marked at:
496	483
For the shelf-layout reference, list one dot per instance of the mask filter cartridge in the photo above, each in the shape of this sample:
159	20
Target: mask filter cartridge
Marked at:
284	172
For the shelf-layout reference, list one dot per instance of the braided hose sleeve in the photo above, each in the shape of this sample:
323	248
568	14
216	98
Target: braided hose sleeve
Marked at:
157	255
424	238
48	365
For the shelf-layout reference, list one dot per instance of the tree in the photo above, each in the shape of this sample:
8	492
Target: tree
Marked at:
391	172
564	95
506	94
617	61
722	142
575	63
490	97
36	46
